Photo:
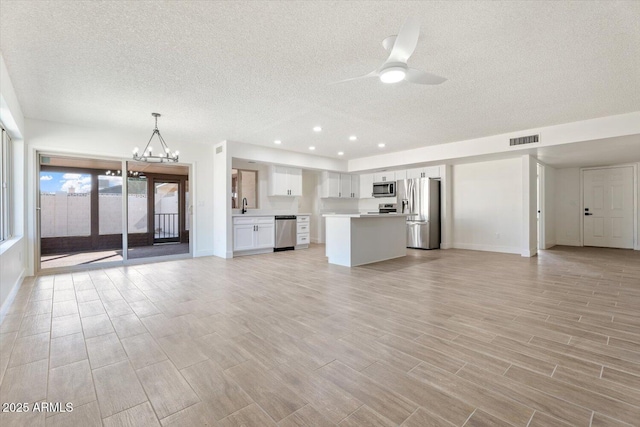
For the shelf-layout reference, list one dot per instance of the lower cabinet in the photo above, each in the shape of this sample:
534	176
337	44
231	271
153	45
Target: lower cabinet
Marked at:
251	233
303	228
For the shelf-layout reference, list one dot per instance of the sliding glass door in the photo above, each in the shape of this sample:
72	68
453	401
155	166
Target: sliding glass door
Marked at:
82	210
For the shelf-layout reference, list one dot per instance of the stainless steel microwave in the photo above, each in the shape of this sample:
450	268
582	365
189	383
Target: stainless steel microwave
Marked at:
384	189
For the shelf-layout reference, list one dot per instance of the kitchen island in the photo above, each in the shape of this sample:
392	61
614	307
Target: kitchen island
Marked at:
358	239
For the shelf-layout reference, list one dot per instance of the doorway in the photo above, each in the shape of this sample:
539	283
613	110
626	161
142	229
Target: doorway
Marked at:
94	212
80	211
159	210
167	214
608	212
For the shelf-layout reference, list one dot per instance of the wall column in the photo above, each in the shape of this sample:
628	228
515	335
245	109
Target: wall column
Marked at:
446	211
222	230
529	206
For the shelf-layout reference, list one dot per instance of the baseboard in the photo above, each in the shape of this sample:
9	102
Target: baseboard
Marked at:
487	248
208	252
568	243
549	245
528	253
253	252
446	246
12	295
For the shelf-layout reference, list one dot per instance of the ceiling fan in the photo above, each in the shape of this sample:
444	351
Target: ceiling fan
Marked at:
400	48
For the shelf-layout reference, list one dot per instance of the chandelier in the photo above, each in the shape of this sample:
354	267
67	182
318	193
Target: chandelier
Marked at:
164	154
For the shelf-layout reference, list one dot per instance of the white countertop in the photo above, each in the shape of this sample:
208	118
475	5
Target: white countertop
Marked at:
365	215
249	213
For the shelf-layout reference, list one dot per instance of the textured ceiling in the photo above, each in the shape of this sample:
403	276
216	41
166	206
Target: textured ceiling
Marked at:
259	71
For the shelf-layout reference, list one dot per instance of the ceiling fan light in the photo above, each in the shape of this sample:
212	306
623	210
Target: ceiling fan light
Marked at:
392	74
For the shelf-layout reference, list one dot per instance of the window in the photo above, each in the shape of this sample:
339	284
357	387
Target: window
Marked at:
5	187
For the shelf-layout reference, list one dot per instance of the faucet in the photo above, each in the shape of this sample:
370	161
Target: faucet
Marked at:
244	204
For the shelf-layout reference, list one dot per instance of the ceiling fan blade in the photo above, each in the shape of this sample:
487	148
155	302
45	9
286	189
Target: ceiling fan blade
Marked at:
406	41
423	78
374	73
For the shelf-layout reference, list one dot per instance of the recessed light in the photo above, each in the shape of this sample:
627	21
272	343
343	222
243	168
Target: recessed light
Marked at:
277	142
340	153
381	145
317	129
312	148
353	138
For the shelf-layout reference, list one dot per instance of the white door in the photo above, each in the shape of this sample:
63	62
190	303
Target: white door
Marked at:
265	236
279	184
355	186
415	173
608	207
366	186
243	238
345	185
332	184
295	181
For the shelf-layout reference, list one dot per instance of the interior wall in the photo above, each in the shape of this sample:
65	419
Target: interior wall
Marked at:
13	260
567	204
495	145
529	206
487	206
308	203
549	206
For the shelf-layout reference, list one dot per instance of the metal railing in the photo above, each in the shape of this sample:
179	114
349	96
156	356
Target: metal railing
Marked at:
166	226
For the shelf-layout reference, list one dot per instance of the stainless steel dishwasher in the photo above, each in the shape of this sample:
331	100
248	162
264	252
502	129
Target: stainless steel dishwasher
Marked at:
286	232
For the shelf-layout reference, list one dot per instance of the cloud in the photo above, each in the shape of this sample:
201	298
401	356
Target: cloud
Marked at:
71	176
46	178
80	183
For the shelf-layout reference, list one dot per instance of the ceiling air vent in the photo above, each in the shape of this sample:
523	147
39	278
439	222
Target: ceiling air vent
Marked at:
524	140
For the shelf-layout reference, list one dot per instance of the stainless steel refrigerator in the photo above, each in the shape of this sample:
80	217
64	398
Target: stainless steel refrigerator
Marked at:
420	198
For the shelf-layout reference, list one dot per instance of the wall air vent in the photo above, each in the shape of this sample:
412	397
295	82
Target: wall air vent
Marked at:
524	140
219	149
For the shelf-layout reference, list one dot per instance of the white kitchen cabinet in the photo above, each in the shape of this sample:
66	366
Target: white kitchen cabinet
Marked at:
340	185
243	237
265	235
285	181
355	186
426	172
386	176
366	186
401	174
330	184
252	233
303	223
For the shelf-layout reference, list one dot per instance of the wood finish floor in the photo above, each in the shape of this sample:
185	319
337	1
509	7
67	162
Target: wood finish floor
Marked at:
438	338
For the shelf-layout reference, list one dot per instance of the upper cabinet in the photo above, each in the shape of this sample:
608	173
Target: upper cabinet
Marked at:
384	176
426	172
366	185
340	185
285	181
401	174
